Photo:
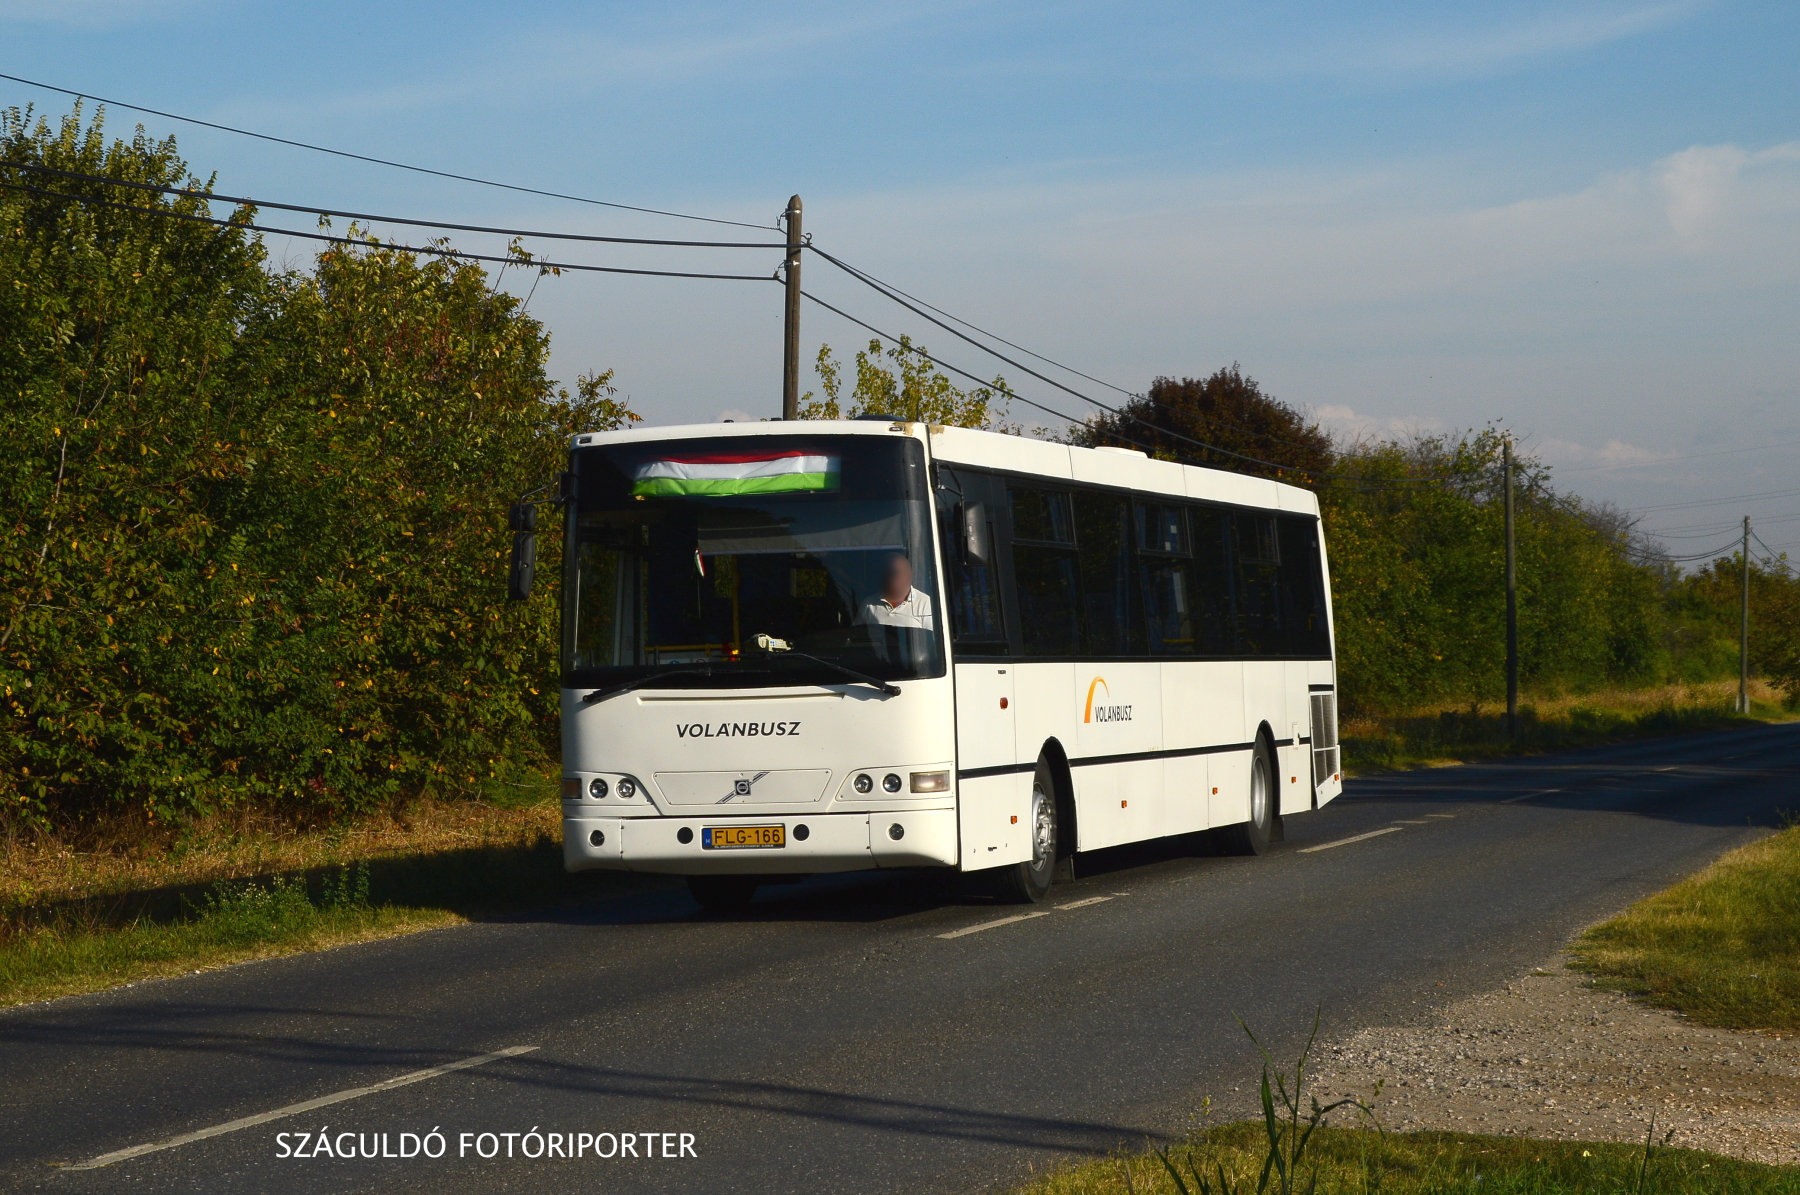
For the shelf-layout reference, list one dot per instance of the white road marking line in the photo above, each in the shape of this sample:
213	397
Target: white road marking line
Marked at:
975	929
1411	823
336	1097
1440	815
1542	792
1325	846
1082	904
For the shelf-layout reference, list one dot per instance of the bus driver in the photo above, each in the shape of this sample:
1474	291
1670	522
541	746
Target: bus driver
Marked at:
899	604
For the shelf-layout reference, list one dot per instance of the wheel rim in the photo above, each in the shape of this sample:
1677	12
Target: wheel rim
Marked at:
1259	793
1043	830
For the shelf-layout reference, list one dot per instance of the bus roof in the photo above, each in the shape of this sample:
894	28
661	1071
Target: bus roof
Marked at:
1123	468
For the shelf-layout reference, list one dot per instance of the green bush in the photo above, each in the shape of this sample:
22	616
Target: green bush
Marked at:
253	523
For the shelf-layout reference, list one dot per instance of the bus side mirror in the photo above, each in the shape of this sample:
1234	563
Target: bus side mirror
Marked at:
974	533
523	518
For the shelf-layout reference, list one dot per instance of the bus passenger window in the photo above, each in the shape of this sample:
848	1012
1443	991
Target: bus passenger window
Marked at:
1209	589
1103	532
1044	572
1164	573
1258	559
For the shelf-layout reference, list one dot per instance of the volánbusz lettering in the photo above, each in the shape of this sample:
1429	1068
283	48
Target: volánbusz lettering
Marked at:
736	730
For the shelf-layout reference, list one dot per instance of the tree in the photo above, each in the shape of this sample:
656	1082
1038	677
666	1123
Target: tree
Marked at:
1227	411
912	389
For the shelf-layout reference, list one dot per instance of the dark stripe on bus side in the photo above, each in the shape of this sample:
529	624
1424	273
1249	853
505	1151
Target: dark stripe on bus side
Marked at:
1320	688
1088	761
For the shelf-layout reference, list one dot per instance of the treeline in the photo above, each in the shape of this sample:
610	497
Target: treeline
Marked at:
252	519
1415	532
252	525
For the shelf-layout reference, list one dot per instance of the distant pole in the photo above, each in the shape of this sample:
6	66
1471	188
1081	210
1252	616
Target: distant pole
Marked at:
790	358
1512	602
1744	629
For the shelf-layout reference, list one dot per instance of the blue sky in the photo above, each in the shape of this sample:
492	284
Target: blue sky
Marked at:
1581	219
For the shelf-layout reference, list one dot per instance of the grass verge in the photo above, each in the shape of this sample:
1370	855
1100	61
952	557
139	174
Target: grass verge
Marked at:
1547	722
1722	946
1345	1161
132	908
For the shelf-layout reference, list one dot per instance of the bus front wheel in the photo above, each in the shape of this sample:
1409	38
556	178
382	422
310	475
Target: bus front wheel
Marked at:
1029	882
1253	837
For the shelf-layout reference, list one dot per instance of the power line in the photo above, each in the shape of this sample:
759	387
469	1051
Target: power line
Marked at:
213	196
1010	393
1718	501
457	254
893	296
225	128
868	278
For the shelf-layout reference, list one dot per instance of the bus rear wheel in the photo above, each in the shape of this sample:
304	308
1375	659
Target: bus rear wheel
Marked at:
1029	882
722	894
1253	837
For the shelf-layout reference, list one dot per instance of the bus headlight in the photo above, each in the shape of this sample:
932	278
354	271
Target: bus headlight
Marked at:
627	788
596	788
931	782
891	782
863	783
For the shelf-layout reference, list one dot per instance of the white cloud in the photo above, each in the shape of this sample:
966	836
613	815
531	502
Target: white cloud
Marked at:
1700	185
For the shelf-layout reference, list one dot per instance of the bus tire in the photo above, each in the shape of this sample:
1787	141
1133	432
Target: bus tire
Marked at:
722	894
1253	837
1028	883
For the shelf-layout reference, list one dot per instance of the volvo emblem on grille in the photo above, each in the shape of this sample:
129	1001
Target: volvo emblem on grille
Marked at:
741	788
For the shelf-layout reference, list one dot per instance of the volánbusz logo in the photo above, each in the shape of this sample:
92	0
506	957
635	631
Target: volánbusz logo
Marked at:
736	730
1103	712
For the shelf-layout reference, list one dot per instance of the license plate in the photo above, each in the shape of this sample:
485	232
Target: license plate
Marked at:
740	838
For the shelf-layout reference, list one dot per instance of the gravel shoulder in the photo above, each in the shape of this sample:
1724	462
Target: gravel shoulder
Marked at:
1549	1056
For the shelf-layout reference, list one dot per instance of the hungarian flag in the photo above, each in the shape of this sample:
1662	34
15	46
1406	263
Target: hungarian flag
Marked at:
721	474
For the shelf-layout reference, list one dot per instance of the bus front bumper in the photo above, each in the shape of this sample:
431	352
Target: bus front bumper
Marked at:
830	842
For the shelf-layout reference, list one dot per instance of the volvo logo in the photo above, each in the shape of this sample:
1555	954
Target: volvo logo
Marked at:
741	788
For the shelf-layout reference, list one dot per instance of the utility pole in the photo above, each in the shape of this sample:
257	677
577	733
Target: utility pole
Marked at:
1512	600
1744	630
790	348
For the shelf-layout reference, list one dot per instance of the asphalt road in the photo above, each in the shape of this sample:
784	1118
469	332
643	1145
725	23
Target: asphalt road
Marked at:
834	1041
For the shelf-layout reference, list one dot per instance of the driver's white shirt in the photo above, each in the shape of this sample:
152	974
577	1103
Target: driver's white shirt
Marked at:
914	610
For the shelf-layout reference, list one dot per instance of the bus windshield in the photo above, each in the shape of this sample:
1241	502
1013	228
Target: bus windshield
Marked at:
728	561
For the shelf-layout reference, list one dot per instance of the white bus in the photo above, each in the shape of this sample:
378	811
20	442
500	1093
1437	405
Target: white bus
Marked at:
820	647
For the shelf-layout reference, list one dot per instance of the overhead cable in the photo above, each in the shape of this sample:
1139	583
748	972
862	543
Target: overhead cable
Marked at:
456	254
225	128
867	277
892	296
211	196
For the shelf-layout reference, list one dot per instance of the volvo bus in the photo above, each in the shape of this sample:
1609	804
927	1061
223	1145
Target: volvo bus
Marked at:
793	648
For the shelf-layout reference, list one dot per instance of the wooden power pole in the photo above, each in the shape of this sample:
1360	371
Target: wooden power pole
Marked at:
1744	629
1512	600
790	346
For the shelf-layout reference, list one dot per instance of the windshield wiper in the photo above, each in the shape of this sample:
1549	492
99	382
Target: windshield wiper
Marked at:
644	681
778	647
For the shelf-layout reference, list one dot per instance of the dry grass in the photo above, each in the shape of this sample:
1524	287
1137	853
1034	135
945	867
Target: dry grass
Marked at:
128	857
1435	735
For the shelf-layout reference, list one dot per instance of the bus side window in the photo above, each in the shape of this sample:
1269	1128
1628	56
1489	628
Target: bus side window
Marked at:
1044	572
1165	573
971	585
1257	556
1103	533
1302	589
1209	590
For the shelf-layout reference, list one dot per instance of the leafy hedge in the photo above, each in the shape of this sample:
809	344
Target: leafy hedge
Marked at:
252	522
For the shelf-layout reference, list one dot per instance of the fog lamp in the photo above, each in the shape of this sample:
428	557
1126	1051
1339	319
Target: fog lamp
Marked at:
931	782
597	838
896	831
